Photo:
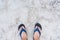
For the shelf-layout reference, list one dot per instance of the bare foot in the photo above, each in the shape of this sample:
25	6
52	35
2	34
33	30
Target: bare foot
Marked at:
24	36
36	36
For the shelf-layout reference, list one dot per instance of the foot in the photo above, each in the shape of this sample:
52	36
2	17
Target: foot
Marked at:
23	33
37	31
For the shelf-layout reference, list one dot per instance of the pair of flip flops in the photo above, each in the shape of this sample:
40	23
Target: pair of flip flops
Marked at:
37	28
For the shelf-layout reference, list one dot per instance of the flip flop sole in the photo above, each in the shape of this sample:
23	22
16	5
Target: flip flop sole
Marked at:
21	26
39	25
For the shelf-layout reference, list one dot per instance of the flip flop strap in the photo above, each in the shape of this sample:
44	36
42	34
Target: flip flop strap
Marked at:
23	30
37	31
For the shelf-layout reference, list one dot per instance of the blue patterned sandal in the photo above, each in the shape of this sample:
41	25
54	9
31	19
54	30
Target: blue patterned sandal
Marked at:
37	29
22	29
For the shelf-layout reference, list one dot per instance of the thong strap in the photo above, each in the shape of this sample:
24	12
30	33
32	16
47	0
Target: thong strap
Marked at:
23	30
37	31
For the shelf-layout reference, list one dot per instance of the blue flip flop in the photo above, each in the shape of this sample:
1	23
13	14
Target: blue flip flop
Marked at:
37	29
22	30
